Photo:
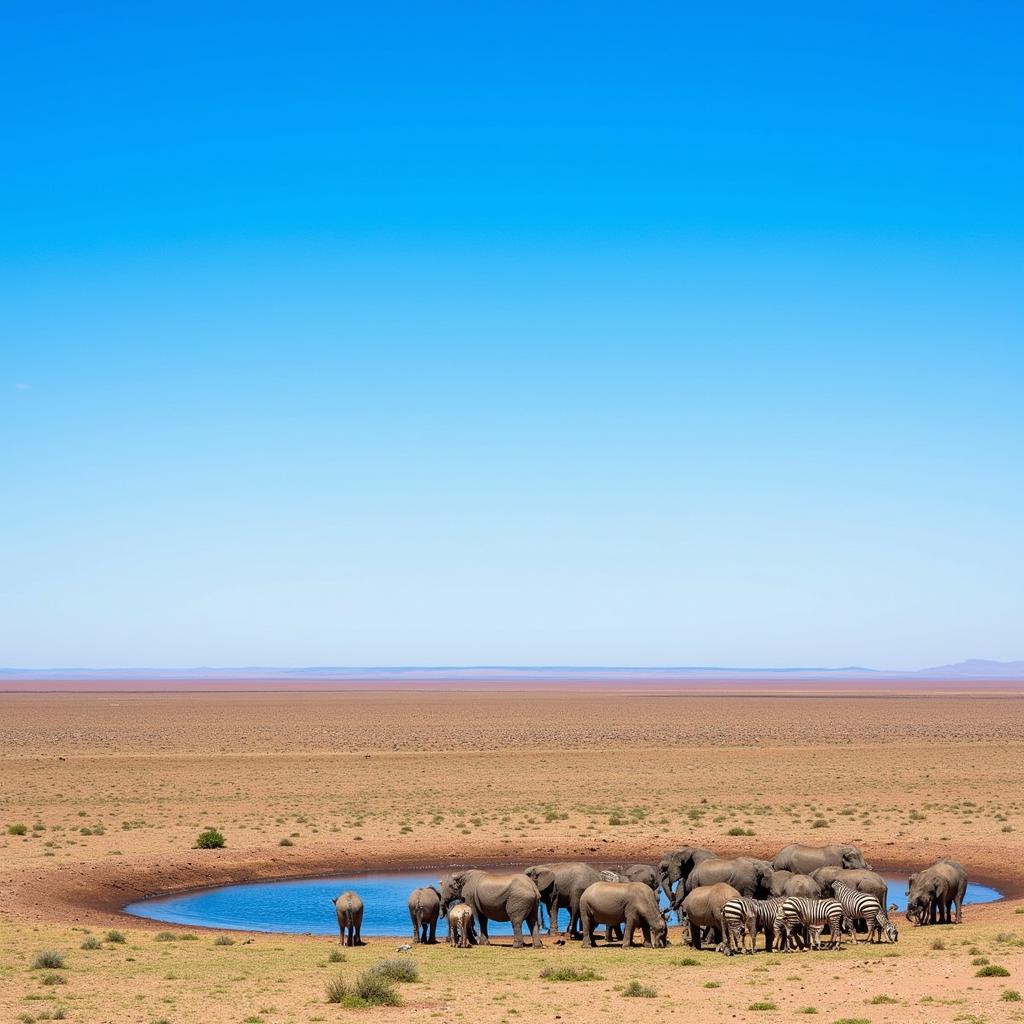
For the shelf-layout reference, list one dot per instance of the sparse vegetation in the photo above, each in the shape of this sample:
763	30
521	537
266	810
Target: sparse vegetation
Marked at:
91	942
992	971
336	956
52	959
763	1005
396	968
634	990
165	937
570	974
223	940
210	839
1010	995
17	830
115	936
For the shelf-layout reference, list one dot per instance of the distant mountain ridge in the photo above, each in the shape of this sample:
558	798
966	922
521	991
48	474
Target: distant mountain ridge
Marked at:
971	669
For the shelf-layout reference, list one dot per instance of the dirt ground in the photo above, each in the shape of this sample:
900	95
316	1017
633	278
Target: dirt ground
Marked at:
113	788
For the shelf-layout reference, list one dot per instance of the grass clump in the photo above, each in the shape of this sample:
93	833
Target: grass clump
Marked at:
91	942
286	842
210	839
712	984
223	940
54	979
50	958
396	968
337	989
570	974
808	1009
939	944
634	990
883	1001
686	961
17	830
1010	995
852	1020
336	956
764	1005
992	971
165	937
115	936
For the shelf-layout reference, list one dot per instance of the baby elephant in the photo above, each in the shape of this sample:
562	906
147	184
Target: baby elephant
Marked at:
349	908
460	926
424	907
630	903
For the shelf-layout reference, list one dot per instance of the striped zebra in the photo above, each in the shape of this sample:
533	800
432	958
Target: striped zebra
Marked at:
862	906
739	923
748	917
799	912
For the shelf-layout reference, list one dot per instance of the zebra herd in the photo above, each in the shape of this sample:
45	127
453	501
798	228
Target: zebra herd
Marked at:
797	922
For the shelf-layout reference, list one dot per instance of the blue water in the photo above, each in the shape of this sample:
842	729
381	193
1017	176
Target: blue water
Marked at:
304	906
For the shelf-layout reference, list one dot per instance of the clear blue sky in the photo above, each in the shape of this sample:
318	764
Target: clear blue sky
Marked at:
511	333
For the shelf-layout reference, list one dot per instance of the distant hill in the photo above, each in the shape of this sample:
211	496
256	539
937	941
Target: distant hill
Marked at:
972	669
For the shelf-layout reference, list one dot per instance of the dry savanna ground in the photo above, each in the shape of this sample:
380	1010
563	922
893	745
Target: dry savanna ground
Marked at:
113	788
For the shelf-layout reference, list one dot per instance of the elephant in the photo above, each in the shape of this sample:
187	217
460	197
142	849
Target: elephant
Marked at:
424	907
802	885
749	876
804	860
643	873
562	885
676	865
863	881
631	904
460	926
497	897
779	880
702	908
349	908
932	892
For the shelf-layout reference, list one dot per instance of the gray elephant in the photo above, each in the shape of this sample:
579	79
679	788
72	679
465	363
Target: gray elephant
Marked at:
496	897
804	860
676	865
629	904
751	877
802	885
863	881
562	885
702	908
779	880
424	907
349	908
932	892
460	926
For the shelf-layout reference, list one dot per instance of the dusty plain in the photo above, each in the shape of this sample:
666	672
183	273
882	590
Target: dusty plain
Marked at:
113	788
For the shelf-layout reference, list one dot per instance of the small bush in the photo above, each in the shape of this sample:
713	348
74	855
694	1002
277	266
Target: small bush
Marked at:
336	956
17	830
992	971
54	979
375	989
58	1013
808	1009
1019	910
570	974
165	937
223	940
189	937
819	823
91	942
712	984
762	1006
211	839
686	961
852	1020
396	968
50	958
115	936
1010	995
634	990
981	961
336	989
286	842
883	1001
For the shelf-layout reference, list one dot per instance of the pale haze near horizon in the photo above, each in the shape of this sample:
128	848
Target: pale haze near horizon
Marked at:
508	359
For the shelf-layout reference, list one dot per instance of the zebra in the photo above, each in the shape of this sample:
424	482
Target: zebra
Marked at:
862	906
799	911
747	916
739	923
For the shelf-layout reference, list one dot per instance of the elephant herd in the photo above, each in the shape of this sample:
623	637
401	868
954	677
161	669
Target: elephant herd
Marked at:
791	898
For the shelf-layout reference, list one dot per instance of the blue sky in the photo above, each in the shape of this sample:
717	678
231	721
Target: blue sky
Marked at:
462	334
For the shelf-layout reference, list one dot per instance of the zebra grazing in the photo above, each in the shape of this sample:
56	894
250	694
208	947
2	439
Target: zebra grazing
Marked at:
740	922
798	912
747	916
862	906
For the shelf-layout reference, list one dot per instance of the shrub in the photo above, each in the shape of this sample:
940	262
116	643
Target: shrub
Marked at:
17	830
286	842
211	839
189	937
396	968
852	1020
762	1006
712	984
165	937
686	961
336	989
336	956
115	936
223	940
54	979
883	1000
58	1013
634	990
51	958
980	961
570	974
809	1009
939	944
819	823
91	942
376	990
1010	995
992	971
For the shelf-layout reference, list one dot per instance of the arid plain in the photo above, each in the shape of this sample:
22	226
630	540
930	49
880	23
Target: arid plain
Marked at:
113	788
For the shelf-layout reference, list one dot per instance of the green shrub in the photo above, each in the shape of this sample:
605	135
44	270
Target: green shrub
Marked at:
883	1001
712	984
17	830
396	968
336	956
634	990
808	1009
852	1020
570	974
165	937
189	937
980	961
51	958
211	839
762	1006
286	842
115	936
992	971
54	979
223	940
686	961
91	942
819	823
375	989
1010	995
336	989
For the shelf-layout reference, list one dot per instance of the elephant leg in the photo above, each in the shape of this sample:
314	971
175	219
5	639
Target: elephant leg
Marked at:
645	929
553	916
533	923
574	917
695	936
587	929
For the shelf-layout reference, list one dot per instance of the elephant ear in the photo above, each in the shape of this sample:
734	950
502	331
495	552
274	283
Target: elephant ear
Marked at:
543	878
